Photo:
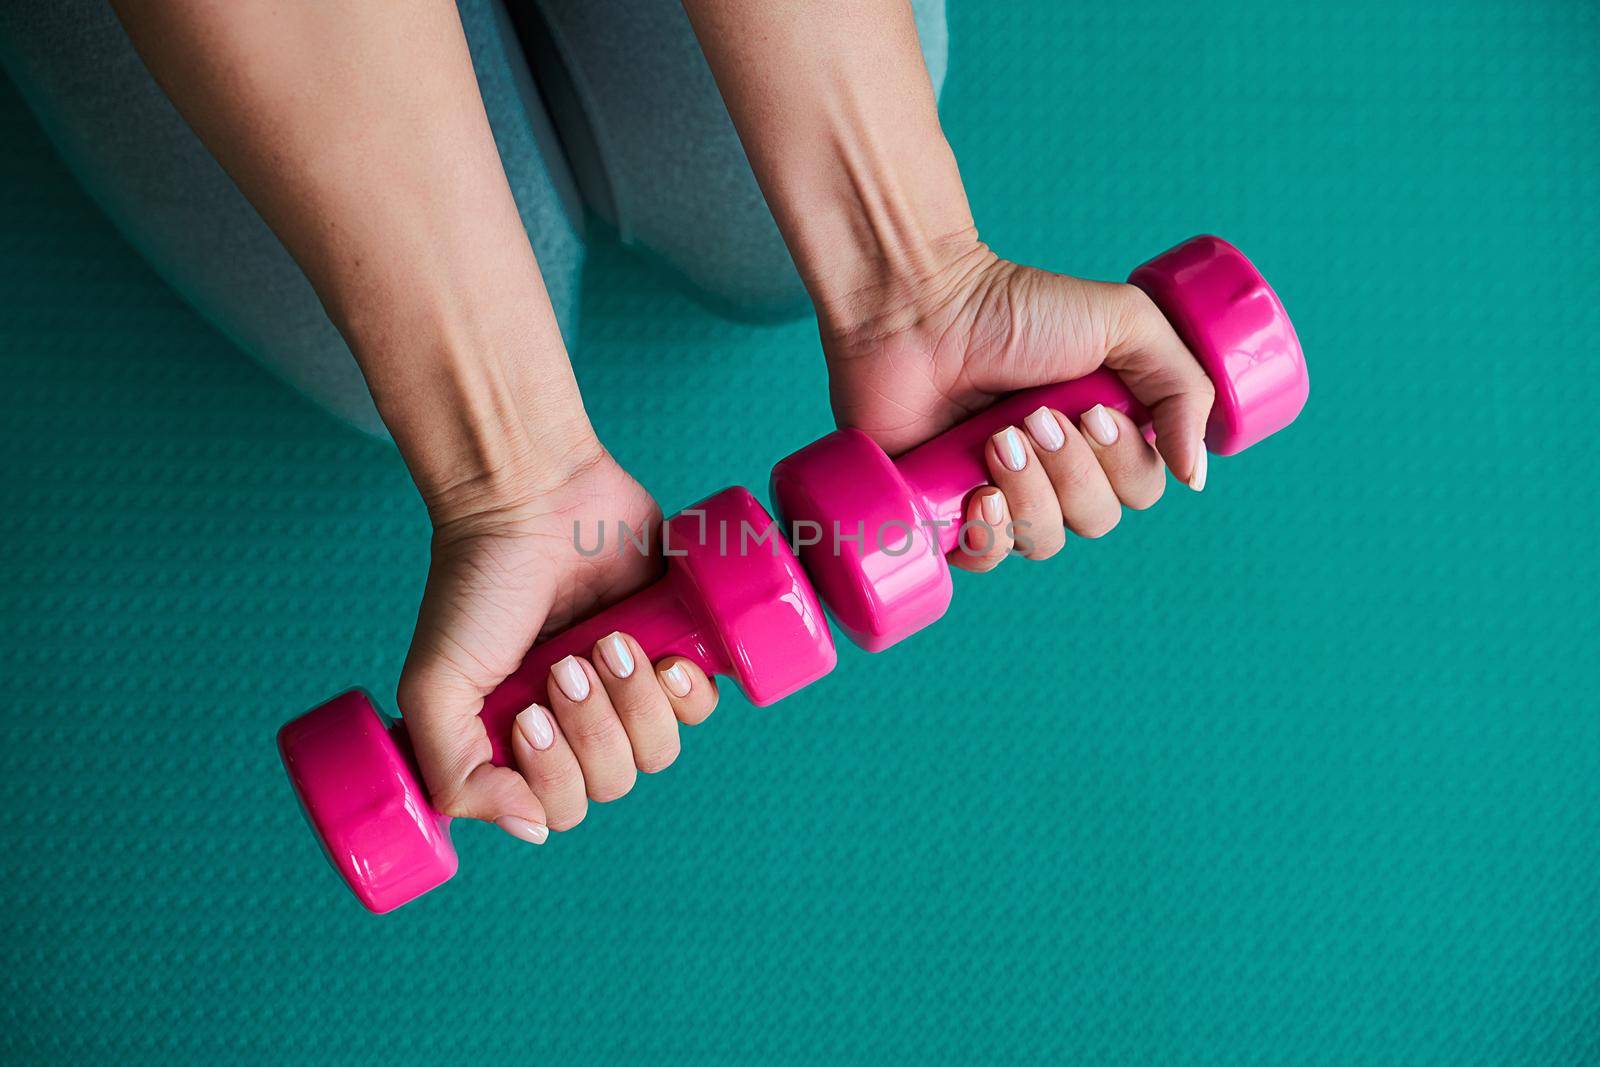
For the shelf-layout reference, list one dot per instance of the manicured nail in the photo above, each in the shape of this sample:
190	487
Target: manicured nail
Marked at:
990	503
534	722
1045	430
1101	426
570	677
677	680
615	652
518	827
1008	443
1197	480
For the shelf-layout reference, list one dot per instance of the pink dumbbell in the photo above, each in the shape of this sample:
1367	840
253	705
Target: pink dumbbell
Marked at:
873	532
734	600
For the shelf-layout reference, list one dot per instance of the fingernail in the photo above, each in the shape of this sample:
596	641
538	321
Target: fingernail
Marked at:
1101	426
570	677
615	652
534	722
1045	430
1009	444
519	827
677	680
991	508
1197	480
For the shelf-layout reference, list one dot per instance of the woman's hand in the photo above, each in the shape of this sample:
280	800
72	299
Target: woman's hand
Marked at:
505	566
934	351
921	323
382	179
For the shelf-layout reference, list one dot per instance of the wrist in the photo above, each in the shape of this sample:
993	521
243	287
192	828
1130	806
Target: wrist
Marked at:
485	412
886	241
878	233
487	441
839	119
884	297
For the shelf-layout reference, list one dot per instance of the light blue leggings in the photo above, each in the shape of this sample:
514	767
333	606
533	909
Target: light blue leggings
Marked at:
664	167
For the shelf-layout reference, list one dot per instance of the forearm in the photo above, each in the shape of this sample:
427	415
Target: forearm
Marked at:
357	131
834	107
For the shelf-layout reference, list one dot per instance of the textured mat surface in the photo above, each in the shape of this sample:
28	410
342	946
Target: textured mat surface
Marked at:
1303	771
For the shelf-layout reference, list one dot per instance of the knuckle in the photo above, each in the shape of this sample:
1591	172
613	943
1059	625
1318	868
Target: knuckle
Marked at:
452	806
982	557
554	771
599	731
552	786
1033	513
605	792
1092	527
554	779
1023	537
1144	497
996	553
1081	472
569	816
978	543
1046	545
657	759
643	704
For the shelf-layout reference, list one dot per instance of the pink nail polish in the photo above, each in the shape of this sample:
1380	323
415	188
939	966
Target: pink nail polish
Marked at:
617	655
534	722
992	512
1101	426
1009	444
1045	430
519	827
677	680
571	679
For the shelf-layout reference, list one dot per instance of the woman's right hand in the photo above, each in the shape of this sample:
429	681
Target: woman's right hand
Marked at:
505	568
429	276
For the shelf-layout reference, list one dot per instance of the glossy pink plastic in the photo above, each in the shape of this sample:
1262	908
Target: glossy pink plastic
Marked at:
734	600
873	532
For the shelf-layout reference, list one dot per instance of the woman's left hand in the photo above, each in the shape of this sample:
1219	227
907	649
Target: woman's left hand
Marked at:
984	327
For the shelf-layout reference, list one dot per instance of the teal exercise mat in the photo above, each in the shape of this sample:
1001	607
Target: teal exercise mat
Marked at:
1301	770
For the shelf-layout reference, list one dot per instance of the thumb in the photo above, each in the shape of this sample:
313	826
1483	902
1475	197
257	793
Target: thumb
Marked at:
1147	354
440	705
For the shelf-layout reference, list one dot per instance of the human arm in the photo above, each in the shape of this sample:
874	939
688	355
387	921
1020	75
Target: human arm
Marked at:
921	322
357	131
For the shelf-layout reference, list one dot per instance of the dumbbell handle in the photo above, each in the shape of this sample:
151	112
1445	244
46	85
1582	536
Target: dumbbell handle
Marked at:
945	470
656	617
1231	321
